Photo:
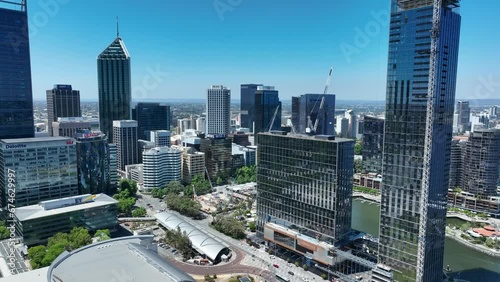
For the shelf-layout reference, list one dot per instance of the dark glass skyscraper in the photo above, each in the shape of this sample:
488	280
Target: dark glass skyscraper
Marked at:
404	138
305	183
113	76
62	101
150	117
308	105
16	97
373	144
266	102
247	105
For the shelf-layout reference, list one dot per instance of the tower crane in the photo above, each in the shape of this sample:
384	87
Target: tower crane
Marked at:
273	119
427	158
311	128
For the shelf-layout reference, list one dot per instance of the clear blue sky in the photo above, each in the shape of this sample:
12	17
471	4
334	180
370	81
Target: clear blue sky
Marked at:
290	44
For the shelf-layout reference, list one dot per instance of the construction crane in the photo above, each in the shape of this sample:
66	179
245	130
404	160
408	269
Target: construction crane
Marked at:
424	201
274	118
311	128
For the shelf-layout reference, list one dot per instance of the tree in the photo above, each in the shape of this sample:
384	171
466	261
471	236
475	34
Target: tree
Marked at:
36	255
358	148
457	190
246	174
125	205
139	212
358	166
184	205
219	181
102	235
4	232
230	226
252	226
180	241
79	237
323	276
174	187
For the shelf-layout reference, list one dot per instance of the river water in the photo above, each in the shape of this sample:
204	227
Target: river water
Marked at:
465	263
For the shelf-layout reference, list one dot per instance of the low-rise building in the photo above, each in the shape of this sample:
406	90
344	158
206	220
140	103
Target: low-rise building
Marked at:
193	163
37	223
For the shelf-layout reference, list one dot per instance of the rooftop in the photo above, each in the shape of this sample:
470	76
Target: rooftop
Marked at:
326	138
115	51
64	205
33	140
133	258
37	275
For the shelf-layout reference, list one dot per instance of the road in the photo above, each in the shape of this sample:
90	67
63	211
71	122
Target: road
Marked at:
20	265
261	259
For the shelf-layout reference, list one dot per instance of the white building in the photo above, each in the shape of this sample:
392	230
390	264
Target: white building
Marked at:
161	165
201	124
342	126
125	138
42	168
184	124
352	130
218	109
161	138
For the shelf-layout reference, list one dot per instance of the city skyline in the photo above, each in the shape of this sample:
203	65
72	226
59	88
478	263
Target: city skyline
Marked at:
294	64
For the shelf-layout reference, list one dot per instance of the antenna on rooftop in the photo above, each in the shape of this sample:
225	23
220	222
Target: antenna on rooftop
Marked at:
117	29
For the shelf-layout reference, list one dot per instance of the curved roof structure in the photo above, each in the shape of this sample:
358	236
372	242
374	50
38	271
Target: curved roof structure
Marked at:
131	258
201	242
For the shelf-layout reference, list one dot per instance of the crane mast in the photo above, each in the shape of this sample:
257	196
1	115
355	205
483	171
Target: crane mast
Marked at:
436	23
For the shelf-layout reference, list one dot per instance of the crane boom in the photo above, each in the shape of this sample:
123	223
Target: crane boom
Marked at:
274	117
311	128
427	158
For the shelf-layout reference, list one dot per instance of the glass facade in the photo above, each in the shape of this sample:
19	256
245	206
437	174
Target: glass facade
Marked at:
266	102
150	117
247	107
305	183
92	151
308	105
404	137
373	144
45	168
62	101
218	154
113	78
16	98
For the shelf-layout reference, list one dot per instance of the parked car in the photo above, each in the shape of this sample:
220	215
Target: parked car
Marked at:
290	272
276	265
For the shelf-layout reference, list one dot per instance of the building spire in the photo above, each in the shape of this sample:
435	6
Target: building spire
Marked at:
117	29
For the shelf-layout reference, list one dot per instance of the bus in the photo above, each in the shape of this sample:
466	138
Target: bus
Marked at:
282	278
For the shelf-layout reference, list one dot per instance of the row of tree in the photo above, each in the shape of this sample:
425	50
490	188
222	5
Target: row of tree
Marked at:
230	226
126	196
183	204
180	241
246	174
200	184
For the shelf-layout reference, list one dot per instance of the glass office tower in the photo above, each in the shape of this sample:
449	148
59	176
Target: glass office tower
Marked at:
150	117
247	117
309	105
404	138
266	102
16	98
113	77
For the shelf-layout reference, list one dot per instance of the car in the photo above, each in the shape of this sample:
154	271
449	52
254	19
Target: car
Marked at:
173	250
271	257
290	272
276	265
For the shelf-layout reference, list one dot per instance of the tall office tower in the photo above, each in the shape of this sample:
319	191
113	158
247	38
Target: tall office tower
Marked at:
150	116
481	163
457	153
463	111
113	166
201	124
62	102
247	106
266	102
309	105
161	138
92	151
404	139
373	144
494	111
125	138
217	149
342	126
184	124
193	164
352	129
16	97
44	168
305	181
67	127
218	109
114	86
161	165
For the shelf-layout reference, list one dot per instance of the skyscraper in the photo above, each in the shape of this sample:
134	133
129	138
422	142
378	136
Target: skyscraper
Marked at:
463	111
62	102
125	138
161	165
218	109
217	151
481	163
247	106
266	102
16	97
92	151
305	181
113	78
308	105
373	144
404	139
150	116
